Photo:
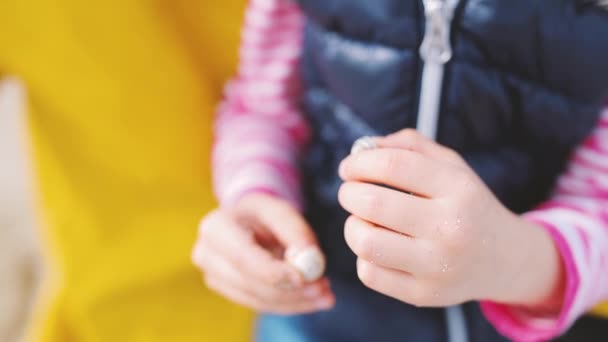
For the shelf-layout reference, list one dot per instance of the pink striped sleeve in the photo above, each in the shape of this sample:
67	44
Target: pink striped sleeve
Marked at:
259	131
577	219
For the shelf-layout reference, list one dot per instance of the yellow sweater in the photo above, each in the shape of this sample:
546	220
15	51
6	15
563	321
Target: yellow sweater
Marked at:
121	96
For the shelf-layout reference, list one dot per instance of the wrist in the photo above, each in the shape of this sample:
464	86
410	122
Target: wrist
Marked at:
533	275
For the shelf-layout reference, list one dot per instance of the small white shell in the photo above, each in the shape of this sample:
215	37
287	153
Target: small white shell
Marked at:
310	262
362	144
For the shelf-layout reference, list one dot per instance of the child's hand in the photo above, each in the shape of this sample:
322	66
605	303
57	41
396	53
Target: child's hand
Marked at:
451	242
242	254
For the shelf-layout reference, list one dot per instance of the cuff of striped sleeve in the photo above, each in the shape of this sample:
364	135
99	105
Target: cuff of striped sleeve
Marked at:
257	178
522	324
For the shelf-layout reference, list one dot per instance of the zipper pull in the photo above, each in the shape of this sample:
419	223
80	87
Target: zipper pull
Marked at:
435	47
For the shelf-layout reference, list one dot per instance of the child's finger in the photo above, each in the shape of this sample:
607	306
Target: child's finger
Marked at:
384	247
399	285
385	207
224	279
401	169
222	269
241	297
292	231
285	222
237	243
235	294
410	139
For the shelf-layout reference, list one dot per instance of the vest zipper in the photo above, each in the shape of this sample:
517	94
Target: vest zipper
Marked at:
436	51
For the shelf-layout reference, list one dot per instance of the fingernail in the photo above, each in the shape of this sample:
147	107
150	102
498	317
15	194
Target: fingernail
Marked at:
342	170
310	262
364	143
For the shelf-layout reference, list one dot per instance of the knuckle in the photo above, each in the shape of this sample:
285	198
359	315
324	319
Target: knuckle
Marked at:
390	163
448	249
344	194
455	243
453	240
410	132
350	232
436	265
450	155
447	229
358	239
367	274
453	155
467	181
199	257
364	244
211	283
372	204
412	138
423	296
208	222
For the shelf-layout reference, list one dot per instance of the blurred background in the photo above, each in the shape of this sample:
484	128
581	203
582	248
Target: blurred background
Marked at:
108	133
20	267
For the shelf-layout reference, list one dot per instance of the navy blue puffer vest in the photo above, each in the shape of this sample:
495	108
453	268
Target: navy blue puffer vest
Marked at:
521	90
